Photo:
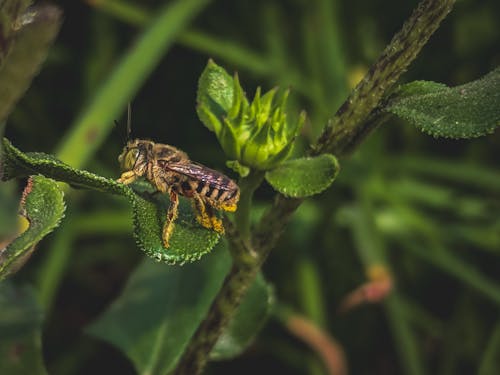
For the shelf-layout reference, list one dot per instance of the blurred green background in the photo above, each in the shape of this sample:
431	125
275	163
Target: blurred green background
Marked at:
427	209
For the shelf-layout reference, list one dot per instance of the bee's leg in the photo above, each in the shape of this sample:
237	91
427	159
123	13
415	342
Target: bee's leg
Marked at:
205	215
214	220
127	177
201	212
172	212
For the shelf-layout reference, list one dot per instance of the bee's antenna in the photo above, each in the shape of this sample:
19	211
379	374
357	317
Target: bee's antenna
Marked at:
129	121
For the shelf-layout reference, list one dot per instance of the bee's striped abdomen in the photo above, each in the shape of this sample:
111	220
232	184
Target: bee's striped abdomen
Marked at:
219	190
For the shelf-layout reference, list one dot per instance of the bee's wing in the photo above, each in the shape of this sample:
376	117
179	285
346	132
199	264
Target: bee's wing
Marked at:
201	173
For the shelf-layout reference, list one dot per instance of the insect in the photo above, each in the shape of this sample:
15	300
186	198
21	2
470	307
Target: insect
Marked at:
171	172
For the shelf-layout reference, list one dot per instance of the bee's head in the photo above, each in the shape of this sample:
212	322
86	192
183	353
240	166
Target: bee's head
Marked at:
135	155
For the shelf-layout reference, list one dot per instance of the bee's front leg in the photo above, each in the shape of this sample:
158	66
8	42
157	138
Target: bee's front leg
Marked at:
172	213
127	177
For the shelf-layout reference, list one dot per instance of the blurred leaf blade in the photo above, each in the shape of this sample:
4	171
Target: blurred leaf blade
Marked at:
490	363
10	12
92	126
476	176
435	253
467	111
43	205
28	38
458	268
159	310
20	330
199	40
404	337
247	322
371	249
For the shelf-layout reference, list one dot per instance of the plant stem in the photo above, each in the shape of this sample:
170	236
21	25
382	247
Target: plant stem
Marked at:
346	125
222	309
247	185
236	283
349	119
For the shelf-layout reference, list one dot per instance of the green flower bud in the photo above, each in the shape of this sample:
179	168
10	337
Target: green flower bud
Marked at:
253	135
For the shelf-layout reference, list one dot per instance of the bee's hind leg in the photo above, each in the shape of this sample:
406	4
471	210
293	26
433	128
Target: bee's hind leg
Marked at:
215	221
205	215
172	213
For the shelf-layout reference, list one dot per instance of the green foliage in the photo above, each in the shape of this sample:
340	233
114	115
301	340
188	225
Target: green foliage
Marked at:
491	362
10	12
43	205
20	330
466	111
299	178
159	309
247	322
189	240
432	223
26	38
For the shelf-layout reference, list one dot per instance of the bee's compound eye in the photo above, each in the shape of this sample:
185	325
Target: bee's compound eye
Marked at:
128	158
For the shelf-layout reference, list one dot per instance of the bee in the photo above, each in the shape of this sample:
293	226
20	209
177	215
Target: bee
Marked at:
171	172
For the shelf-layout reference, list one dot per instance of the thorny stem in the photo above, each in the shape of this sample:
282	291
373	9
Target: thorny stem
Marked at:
342	134
228	298
348	122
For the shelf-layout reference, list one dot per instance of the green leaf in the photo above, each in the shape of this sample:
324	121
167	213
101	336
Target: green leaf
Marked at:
466	111
20	331
189	240
304	177
18	164
215	94
43	205
490	362
247	322
160	309
28	37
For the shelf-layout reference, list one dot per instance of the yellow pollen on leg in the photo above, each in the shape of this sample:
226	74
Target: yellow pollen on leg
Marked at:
204	221
167	232
229	207
217	225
